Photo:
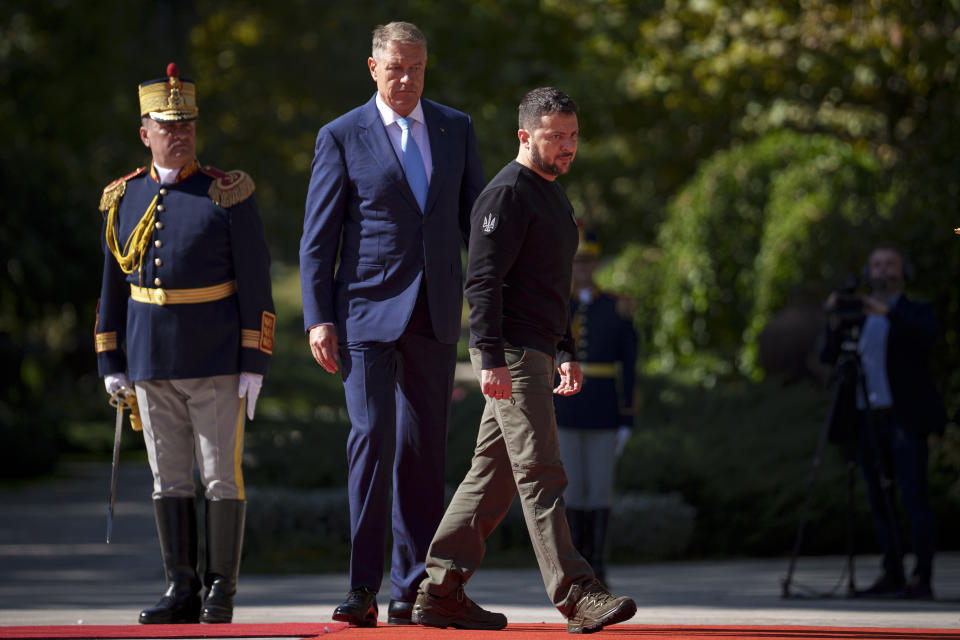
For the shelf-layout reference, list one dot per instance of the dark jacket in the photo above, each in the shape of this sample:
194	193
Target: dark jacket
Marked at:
913	333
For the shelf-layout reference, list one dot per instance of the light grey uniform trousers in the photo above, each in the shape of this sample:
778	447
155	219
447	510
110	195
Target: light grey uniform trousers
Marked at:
188	420
517	451
589	458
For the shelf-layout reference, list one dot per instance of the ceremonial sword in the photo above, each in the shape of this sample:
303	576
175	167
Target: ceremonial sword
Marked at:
118	399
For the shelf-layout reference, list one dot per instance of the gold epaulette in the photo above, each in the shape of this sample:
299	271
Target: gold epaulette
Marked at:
115	190
228	188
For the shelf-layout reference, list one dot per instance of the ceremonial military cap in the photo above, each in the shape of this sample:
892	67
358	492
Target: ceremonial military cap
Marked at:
169	99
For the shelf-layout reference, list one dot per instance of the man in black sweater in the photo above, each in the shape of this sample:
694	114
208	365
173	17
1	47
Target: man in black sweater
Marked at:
522	241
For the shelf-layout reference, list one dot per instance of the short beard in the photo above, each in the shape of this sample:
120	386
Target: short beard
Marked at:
542	166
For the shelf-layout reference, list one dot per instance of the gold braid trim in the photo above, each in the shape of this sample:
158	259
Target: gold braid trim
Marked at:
106	341
261	340
229	189
135	248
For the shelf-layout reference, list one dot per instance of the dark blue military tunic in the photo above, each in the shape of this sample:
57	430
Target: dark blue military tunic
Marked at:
200	303
606	343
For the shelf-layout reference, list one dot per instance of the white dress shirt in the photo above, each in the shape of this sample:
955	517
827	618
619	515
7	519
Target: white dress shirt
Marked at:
418	129
873	356
167	176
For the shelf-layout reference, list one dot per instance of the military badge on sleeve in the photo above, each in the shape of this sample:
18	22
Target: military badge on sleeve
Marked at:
489	223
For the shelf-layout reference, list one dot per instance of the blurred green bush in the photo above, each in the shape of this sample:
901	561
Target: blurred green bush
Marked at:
754	224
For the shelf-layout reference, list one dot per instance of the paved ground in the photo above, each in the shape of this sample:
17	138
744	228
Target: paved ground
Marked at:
56	569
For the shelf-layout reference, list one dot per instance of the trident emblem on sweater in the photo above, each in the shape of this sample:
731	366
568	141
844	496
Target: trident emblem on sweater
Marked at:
489	223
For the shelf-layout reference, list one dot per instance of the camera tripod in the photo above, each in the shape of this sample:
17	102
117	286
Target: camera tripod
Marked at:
848	378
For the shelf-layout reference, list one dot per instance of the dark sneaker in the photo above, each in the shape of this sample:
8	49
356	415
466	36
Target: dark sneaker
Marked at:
455	610
596	609
359	609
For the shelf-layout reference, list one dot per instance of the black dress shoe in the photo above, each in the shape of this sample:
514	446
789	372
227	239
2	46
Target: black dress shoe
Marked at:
399	612
359	609
917	588
886	586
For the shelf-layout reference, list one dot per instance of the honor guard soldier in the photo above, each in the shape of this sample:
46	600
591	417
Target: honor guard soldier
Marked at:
594	425
186	319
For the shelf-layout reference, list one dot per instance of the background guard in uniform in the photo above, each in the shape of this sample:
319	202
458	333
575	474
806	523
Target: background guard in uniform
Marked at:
186	313
595	424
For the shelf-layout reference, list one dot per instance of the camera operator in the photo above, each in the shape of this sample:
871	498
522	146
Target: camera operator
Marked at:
894	336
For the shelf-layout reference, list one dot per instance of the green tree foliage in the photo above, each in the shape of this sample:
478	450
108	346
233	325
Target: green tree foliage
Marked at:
756	223
839	193
875	82
66	121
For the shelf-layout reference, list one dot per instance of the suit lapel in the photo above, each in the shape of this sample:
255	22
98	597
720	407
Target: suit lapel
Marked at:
374	136
439	150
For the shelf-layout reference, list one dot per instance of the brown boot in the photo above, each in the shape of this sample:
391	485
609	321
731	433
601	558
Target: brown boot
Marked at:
454	610
596	609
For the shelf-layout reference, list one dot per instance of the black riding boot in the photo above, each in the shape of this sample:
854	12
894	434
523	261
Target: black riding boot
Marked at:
177	529
224	545
598	534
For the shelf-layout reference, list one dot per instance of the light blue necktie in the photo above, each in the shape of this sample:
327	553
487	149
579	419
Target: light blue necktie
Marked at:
413	164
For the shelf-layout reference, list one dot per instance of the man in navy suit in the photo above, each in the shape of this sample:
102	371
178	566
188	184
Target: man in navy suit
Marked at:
392	184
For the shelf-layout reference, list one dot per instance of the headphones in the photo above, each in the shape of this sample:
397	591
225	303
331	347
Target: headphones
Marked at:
907	270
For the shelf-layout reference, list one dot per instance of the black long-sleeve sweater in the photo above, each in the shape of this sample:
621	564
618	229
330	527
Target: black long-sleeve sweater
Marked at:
522	239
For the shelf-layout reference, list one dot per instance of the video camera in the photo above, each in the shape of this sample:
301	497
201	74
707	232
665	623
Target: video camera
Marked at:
847	310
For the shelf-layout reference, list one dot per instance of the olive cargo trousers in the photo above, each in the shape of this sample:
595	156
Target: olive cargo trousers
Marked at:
517	451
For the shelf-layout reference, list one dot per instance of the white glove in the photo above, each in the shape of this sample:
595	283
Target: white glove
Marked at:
623	434
116	381
250	384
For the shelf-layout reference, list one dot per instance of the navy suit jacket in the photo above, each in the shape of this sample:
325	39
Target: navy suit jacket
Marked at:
359	203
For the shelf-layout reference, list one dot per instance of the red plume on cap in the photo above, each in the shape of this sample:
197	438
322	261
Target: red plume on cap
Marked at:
172	70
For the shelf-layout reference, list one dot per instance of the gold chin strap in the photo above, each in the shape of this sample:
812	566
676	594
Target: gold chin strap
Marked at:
135	248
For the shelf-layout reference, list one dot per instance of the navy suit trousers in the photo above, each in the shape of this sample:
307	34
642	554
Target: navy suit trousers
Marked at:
398	398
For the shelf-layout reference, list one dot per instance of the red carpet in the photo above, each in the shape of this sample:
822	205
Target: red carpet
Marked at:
657	632
512	632
285	630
